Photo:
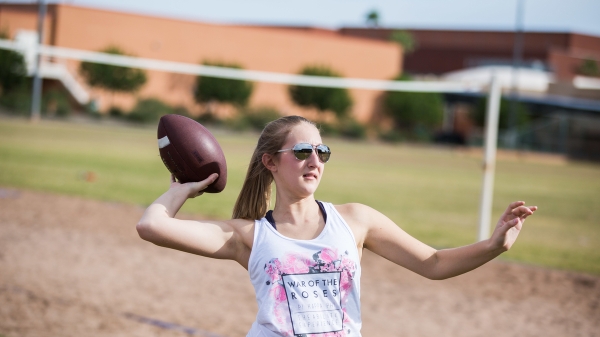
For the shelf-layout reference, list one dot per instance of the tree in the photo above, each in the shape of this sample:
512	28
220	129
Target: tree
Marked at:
222	89
12	69
405	39
372	18
335	99
410	110
113	78
149	110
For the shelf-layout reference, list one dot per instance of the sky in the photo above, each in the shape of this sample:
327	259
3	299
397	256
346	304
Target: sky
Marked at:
579	16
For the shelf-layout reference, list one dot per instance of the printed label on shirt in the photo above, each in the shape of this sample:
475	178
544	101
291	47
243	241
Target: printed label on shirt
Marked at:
314	306
314	301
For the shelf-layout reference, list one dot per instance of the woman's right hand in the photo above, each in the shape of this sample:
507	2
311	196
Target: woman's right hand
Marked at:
193	189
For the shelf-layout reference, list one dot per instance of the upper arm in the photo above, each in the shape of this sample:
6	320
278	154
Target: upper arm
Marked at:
382	236
215	239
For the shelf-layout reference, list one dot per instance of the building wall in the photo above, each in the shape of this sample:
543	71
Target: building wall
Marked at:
253	48
16	17
585	43
442	51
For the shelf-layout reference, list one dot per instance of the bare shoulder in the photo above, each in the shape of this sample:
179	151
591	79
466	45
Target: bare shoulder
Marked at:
359	217
355	211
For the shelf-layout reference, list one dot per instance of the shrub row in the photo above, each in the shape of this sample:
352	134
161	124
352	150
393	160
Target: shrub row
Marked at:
55	102
415	115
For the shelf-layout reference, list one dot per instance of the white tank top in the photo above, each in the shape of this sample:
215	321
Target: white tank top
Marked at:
306	287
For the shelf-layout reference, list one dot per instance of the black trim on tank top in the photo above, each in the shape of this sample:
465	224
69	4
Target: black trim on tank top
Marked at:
269	215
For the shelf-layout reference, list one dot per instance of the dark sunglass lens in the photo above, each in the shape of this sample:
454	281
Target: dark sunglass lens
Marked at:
302	151
324	152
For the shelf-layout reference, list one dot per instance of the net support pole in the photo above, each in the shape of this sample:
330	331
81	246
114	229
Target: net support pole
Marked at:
489	158
36	96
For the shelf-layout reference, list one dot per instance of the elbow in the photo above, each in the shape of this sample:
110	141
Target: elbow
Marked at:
144	230
432	275
435	277
434	270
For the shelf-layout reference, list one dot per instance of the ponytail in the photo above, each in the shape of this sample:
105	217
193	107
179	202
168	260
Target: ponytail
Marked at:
254	199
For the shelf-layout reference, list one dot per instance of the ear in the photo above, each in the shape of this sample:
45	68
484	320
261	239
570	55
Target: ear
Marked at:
269	161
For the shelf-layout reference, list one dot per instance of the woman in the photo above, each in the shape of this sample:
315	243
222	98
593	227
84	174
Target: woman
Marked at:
304	256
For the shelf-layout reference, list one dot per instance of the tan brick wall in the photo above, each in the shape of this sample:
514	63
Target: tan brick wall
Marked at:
278	50
16	17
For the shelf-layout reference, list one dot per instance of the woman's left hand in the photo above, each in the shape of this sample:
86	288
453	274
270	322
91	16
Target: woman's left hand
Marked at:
509	226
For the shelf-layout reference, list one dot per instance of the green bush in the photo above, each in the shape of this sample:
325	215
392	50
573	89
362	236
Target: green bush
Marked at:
258	118
329	129
116	112
335	99
15	93
113	78
181	110
392	136
149	110
18	100
55	102
208	118
222	89
254	119
347	128
12	71
350	128
410	110
589	67
479	112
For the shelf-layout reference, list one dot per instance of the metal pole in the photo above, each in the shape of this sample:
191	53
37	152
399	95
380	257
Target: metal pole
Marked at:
489	158
516	63
36	96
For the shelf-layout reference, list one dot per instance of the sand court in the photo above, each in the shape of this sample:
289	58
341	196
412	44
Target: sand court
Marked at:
76	267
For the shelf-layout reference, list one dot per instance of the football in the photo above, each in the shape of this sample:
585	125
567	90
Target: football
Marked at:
190	151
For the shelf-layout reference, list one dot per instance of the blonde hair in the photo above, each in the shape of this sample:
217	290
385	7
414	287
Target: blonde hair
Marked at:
254	199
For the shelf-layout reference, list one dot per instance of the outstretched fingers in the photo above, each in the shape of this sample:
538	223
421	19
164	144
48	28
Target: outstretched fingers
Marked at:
511	222
508	213
518	209
523	211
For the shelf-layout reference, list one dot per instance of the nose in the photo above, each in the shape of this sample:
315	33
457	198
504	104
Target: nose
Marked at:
313	159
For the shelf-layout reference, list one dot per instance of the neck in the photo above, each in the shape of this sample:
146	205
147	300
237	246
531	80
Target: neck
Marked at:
296	211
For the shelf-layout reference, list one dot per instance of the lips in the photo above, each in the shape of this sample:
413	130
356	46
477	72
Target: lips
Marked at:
309	175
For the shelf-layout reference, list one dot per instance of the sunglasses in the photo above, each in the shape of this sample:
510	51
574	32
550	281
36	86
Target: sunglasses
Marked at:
303	150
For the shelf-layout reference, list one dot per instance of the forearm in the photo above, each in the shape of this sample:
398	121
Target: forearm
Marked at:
171	201
455	261
166	206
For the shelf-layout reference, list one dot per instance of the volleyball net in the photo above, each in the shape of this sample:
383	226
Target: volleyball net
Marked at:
29	47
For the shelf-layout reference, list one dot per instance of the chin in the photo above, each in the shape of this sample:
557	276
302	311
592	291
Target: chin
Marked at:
310	189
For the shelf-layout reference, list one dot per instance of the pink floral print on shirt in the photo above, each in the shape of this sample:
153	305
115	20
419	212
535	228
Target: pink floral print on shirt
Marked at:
324	261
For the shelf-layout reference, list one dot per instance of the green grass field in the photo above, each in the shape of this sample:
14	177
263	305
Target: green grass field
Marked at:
431	193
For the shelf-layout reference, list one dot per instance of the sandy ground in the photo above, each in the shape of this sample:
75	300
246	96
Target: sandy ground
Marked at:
76	267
